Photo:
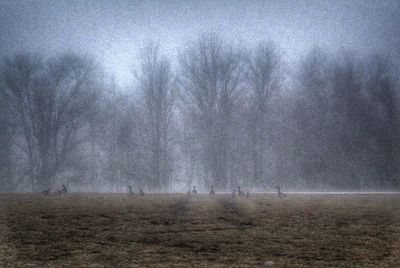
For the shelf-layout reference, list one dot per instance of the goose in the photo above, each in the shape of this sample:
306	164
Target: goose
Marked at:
62	191
280	194
131	193
234	193
212	192
194	191
45	192
240	192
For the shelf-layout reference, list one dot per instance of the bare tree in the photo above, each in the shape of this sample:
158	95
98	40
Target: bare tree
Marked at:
312	118
210	77
50	99
263	76
155	83
346	121
381	86
6	132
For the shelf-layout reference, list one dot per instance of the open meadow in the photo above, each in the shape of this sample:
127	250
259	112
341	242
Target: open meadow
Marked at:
164	230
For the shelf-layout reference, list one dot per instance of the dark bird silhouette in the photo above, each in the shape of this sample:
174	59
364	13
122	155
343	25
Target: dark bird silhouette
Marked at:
240	192
234	193
248	194
212	192
46	192
131	193
280	194
194	191
62	191
141	192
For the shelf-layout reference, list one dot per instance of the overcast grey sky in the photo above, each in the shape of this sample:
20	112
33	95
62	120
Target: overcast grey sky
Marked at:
112	31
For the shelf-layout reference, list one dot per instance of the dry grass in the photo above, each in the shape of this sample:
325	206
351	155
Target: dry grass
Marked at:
112	230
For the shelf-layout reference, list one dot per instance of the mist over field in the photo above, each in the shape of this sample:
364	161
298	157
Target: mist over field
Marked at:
167	95
186	133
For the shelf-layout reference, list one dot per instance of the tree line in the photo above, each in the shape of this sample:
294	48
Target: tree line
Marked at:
219	114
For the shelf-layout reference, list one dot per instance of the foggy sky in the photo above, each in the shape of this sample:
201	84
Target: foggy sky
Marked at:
112	31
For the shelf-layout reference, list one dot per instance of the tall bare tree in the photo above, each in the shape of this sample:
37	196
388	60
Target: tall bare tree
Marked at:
50	99
263	75
155	80
6	132
311	113
210	78
381	86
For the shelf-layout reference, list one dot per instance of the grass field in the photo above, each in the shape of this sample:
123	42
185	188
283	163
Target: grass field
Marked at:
112	230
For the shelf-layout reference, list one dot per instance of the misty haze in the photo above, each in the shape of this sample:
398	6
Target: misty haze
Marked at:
199	133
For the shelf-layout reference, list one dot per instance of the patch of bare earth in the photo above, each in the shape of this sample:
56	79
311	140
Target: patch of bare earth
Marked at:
113	230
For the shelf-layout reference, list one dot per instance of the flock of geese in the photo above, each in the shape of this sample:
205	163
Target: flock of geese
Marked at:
236	192
132	193
60	192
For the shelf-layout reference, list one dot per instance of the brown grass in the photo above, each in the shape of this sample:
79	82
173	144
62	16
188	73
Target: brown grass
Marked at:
112	230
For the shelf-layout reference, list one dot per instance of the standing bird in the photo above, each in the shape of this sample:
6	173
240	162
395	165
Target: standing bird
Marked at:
194	191
46	192
234	193
62	191
240	192
248	194
141	192
280	194
212	192
131	193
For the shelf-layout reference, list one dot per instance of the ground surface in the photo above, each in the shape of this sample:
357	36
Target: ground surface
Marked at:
112	230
